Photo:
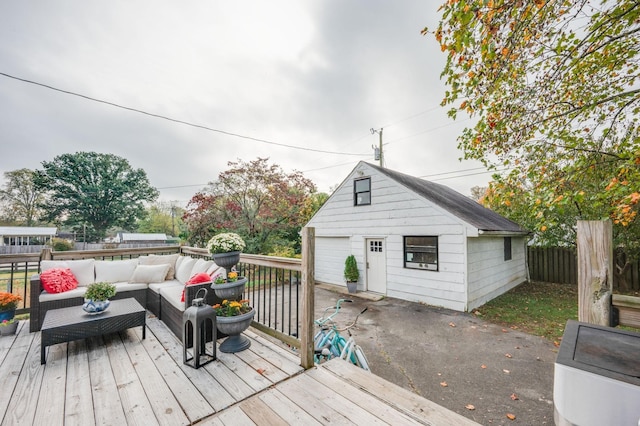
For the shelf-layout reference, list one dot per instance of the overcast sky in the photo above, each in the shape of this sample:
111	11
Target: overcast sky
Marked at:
316	75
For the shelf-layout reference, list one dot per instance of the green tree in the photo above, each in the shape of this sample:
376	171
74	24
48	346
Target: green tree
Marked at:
553	88
163	218
257	200
21	198
96	191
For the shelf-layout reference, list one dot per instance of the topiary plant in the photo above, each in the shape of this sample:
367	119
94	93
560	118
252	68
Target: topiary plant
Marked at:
351	273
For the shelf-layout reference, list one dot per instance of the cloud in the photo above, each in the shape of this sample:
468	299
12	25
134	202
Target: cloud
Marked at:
314	74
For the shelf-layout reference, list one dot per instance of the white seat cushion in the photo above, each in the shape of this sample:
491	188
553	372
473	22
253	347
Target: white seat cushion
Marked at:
76	292
173	295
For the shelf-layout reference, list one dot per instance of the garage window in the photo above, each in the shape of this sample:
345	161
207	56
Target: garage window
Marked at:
507	248
421	252
362	192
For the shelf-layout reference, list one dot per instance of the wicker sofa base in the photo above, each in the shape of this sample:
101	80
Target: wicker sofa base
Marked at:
172	316
150	300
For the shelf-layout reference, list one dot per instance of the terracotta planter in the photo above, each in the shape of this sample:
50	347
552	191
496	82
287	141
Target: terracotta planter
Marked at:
234	326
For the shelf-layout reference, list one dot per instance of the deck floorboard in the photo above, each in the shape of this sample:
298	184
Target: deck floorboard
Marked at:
122	379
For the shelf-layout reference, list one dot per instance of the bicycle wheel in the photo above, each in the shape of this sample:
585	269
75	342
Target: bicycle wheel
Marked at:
362	359
347	351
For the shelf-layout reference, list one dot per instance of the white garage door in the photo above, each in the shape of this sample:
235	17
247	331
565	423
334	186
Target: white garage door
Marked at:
331	252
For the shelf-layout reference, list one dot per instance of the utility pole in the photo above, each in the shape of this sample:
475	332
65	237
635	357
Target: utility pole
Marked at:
378	150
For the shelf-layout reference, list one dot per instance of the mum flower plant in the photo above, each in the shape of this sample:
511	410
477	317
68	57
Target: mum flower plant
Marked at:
225	243
8	301
232	308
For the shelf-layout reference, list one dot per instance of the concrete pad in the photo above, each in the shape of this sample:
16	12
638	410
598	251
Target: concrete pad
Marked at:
454	359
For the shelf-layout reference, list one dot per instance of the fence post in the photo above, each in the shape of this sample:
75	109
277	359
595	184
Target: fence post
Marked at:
308	295
595	271
46	254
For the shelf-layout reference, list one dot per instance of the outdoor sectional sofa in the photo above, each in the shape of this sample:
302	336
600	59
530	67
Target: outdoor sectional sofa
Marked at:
157	282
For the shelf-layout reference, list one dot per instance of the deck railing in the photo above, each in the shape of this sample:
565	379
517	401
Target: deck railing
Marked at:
274	283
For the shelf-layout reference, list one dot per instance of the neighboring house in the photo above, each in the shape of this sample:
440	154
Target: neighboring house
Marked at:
139	238
26	235
417	240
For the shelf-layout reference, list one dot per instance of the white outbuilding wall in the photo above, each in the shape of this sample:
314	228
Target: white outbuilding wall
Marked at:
470	270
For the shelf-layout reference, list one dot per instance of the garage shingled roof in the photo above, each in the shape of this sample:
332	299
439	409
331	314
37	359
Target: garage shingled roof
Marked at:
457	204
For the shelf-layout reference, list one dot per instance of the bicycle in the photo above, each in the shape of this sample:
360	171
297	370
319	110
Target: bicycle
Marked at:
329	343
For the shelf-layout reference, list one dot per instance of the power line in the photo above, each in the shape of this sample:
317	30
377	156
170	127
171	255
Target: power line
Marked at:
199	126
412	116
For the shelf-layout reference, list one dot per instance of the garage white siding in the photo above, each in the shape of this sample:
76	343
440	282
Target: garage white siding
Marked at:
400	208
489	274
331	252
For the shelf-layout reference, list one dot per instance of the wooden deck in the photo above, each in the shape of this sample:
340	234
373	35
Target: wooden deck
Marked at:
122	380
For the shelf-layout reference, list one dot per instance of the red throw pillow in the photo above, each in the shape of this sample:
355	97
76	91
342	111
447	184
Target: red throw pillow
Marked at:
58	280
198	278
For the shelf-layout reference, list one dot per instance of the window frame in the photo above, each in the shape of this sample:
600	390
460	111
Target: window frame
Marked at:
508	249
356	192
433	267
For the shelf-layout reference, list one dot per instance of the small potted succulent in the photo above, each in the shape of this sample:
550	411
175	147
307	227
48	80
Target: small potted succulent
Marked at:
97	297
351	273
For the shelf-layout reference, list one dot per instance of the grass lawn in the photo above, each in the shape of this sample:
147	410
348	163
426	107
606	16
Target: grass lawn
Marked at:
537	308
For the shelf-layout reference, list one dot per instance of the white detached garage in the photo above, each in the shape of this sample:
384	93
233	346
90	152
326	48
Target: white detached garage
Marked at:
417	240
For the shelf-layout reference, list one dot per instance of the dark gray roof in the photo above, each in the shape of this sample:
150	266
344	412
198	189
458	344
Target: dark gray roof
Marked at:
457	204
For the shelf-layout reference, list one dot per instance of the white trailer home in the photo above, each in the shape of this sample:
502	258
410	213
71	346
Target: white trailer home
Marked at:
417	240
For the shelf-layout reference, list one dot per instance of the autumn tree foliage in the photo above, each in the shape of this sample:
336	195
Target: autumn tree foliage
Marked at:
258	200
553	88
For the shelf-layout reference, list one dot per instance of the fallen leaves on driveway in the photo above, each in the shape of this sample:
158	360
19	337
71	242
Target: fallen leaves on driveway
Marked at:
470	407
444	384
508	355
451	324
511	416
514	397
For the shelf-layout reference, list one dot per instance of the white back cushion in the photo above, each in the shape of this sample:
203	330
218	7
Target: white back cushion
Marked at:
115	271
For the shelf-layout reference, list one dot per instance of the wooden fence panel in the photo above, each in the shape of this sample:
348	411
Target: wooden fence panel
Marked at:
559	265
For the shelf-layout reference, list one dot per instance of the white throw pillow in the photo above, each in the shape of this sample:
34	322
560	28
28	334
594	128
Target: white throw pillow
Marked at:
169	259
214	269
183	273
149	274
115	271
201	265
82	269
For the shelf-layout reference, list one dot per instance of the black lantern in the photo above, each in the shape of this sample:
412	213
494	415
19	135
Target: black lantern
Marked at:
198	326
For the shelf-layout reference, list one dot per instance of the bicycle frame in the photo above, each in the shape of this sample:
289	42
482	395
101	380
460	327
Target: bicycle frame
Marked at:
328	343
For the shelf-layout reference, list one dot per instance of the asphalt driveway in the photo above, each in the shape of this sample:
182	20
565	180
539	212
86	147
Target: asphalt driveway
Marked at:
480	370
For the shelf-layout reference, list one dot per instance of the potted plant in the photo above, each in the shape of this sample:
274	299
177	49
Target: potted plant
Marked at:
232	318
97	297
8	327
8	305
351	273
230	288
225	249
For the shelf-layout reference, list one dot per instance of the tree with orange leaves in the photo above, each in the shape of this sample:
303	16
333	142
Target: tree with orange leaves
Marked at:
553	88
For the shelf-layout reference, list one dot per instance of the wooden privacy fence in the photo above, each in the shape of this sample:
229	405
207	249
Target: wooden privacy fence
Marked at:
559	265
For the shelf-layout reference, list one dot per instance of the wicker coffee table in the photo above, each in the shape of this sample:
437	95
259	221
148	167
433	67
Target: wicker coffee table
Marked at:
67	324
